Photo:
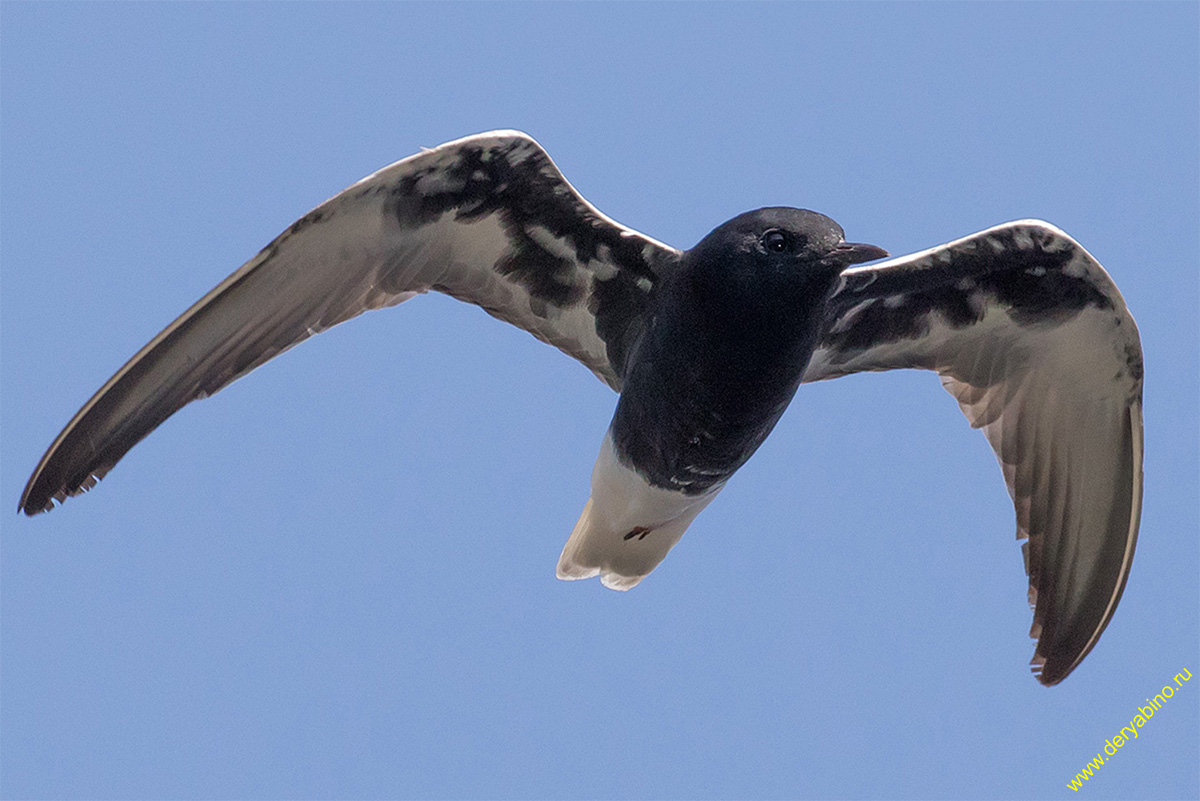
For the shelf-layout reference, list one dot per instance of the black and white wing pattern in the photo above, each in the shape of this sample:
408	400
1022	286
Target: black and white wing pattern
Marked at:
487	219
1032	338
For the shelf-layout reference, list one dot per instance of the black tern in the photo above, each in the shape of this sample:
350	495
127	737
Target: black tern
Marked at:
706	347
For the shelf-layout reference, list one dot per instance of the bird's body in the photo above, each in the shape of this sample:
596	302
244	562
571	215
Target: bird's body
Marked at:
726	339
728	336
707	348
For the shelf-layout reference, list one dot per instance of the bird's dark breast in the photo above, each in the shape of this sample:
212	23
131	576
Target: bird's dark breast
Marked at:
701	395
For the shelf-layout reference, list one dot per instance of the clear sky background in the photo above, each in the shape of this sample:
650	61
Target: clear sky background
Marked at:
336	578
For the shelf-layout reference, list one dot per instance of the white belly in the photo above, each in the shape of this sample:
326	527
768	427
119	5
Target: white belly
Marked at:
627	526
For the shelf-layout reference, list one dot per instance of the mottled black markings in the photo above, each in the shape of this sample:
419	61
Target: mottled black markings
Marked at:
518	183
272	248
314	216
614	303
908	320
638	531
1133	361
1029	282
548	277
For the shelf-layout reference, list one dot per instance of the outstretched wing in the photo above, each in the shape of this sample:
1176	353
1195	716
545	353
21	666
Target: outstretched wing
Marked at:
487	219
1032	338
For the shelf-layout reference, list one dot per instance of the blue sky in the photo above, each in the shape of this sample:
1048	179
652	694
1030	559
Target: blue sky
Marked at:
336	577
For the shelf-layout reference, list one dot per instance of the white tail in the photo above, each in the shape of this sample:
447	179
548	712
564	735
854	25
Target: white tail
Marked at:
627	526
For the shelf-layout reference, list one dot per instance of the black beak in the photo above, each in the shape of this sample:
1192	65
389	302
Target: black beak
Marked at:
856	253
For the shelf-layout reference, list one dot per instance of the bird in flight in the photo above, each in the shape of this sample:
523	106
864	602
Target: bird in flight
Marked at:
705	346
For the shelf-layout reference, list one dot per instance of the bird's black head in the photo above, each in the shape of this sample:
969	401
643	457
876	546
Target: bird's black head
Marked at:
773	264
781	243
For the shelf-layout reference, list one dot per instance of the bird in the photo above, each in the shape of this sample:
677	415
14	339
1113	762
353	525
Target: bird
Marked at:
706	348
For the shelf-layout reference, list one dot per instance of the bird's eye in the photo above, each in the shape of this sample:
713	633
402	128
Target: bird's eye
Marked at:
775	241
